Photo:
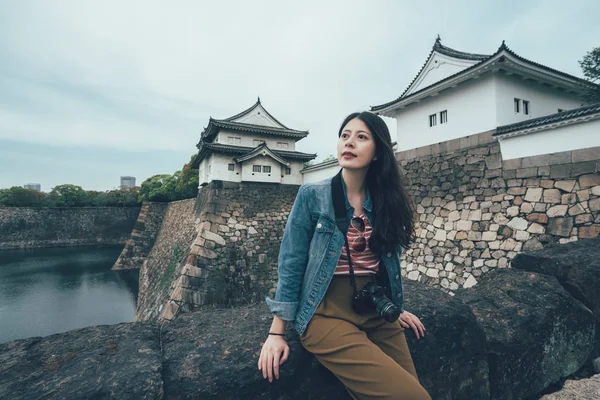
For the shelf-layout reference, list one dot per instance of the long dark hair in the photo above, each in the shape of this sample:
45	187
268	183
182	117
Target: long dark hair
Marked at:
392	206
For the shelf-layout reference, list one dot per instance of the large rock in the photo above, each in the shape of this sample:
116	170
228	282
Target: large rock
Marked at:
536	332
582	389
576	265
218	359
104	362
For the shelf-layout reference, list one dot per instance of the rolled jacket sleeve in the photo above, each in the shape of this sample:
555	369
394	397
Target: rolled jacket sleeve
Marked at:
293	258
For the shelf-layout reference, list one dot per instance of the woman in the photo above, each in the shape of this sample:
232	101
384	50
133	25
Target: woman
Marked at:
318	282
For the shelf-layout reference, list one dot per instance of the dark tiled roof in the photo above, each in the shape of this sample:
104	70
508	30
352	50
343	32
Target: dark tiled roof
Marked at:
206	148
548	119
502	48
246	112
440	48
214	125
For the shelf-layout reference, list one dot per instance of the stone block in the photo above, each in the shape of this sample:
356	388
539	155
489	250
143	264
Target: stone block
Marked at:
560	171
522	236
536	161
589	154
526	208
552	196
512	211
594	205
595	191
493	161
509	174
564	157
560	226
557	211
544	170
589	232
514	163
517	191
536	228
518	224
527	172
583	219
577	209
566	186
214	237
532	245
475	215
569	198
581	168
547	183
534	194
538	217
515	182
586	181
489	236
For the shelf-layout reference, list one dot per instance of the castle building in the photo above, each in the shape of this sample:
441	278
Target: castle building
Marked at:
33	186
252	146
458	94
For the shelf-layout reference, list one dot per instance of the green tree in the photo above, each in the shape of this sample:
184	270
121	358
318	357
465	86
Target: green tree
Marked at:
330	157
68	195
187	180
157	188
590	65
17	196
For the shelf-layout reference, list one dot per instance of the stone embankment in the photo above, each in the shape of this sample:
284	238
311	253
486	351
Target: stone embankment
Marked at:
50	227
512	336
142	238
477	212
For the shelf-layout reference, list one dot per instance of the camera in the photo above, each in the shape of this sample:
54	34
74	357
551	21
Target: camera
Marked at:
372	296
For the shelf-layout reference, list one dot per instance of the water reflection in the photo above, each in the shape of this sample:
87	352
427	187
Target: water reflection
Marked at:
46	291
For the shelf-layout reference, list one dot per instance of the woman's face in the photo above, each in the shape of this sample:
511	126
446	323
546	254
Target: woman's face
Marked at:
356	145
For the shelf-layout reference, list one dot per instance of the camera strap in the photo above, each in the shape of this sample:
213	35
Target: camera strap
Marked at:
341	219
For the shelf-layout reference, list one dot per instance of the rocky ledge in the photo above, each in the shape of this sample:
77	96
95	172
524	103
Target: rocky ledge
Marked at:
514	335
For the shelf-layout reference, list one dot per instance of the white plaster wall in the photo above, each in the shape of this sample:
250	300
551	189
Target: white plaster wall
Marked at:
438	68
247	140
249	176
471	109
542	99
220	171
565	138
320	174
203	177
295	178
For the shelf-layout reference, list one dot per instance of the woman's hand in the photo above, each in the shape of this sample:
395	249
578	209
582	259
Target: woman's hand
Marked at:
409	320
271	356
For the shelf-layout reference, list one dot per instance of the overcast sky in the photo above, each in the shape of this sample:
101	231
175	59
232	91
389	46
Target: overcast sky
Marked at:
92	90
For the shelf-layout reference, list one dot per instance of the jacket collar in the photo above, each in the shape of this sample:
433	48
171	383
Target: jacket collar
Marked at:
367	204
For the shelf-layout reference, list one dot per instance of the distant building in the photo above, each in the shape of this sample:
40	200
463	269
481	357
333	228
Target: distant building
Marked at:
127	182
33	186
251	146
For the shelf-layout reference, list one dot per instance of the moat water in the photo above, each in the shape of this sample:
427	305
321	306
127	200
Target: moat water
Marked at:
47	291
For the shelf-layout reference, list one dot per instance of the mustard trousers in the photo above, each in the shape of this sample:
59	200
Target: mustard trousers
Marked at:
369	355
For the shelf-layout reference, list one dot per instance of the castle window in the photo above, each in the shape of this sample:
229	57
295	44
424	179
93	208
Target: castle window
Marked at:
230	167
517	105
256	168
525	107
257	142
288	171
266	169
234	140
432	120
282	145
444	117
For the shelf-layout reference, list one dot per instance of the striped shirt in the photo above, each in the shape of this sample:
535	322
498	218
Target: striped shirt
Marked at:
365	262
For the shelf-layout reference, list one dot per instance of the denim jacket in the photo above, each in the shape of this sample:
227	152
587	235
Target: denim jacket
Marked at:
309	253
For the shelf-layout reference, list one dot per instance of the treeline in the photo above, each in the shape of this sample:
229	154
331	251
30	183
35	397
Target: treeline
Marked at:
181	185
68	196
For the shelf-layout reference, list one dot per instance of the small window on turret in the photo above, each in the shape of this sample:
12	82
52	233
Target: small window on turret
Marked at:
432	120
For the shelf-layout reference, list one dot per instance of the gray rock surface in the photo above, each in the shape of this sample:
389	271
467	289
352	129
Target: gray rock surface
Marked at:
104	362
536	332
583	389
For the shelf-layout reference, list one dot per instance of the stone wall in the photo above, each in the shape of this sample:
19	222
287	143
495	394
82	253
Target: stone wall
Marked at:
233	258
164	261
142	238
476	212
47	227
